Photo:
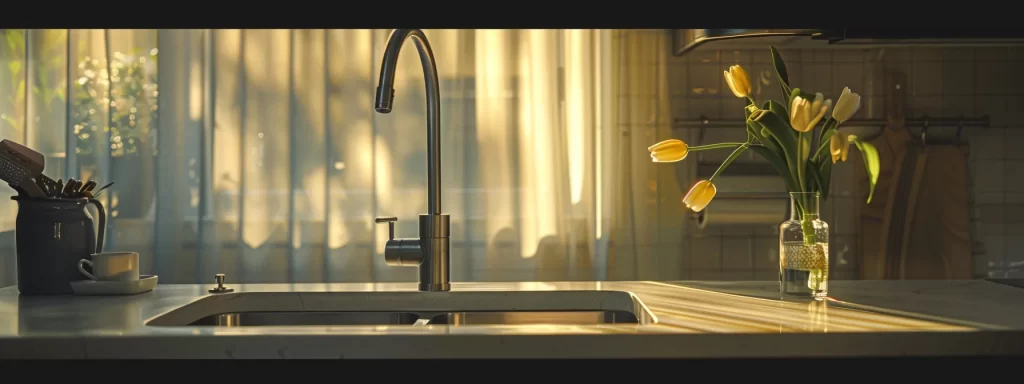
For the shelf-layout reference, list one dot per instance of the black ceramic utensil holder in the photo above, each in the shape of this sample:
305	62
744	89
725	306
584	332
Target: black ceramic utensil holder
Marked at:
52	236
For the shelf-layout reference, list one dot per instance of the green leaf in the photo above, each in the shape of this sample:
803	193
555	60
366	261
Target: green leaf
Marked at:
871	163
779	129
813	178
780	70
14	66
776	107
803	149
15	41
43	78
792	94
824	137
778	119
830	124
10	120
778	163
767	140
780	65
754	130
20	93
825	169
773	145
823	149
817	181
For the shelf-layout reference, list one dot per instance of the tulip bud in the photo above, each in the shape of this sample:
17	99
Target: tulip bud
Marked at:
699	195
668	151
847	105
839	146
738	81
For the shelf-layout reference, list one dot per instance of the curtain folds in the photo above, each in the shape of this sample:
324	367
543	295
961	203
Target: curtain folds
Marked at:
257	153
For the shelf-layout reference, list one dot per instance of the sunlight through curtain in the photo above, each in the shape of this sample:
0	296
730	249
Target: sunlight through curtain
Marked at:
257	153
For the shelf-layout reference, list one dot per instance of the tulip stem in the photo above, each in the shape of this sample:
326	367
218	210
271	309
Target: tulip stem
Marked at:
729	160
808	213
713	146
807	225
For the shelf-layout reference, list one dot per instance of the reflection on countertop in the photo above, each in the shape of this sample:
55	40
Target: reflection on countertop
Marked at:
947	312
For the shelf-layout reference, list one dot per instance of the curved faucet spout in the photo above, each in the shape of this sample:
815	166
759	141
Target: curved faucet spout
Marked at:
430	252
386	96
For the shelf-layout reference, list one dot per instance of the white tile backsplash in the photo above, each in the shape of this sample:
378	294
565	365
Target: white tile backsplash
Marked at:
990	78
737	252
926	79
988	144
846	75
941	82
930	106
1014	179
955	54
989	176
1015	136
766	253
1000	54
958	78
706	253
705	80
926	54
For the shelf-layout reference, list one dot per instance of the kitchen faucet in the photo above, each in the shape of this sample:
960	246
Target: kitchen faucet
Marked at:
430	252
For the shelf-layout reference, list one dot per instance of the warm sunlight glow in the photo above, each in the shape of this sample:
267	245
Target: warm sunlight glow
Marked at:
195	88
494	129
577	99
385	184
537	86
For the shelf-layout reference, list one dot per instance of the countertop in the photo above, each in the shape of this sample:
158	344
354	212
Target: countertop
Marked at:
694	319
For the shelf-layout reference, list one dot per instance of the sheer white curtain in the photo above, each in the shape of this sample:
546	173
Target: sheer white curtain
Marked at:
257	153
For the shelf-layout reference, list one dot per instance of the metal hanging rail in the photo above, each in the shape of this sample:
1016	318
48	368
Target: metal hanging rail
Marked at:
923	122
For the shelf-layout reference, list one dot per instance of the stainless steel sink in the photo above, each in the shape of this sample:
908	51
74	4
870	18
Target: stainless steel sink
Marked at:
248	319
245	309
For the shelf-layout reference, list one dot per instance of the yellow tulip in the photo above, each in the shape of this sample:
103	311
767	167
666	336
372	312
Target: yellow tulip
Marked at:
668	151
846	106
699	196
804	115
738	81
839	147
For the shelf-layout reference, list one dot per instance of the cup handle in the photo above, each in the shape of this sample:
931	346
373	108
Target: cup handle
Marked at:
84	272
103	226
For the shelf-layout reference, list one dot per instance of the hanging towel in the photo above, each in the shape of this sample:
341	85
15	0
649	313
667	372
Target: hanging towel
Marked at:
937	241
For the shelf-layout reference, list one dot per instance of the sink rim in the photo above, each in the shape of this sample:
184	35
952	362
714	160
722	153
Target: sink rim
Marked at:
410	318
404	301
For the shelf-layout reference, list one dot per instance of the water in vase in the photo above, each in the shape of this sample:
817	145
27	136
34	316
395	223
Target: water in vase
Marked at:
804	269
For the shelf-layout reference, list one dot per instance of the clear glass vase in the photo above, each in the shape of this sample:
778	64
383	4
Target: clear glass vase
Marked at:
803	249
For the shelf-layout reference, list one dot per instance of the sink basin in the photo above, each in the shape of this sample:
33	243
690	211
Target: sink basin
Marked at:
297	318
248	319
247	309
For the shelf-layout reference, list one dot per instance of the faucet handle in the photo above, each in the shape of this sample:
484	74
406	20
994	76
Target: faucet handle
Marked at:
391	225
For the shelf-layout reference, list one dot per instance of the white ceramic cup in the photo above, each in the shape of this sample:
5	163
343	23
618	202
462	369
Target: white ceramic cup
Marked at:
112	266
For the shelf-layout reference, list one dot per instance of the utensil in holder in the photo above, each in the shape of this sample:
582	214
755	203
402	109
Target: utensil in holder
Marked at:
52	236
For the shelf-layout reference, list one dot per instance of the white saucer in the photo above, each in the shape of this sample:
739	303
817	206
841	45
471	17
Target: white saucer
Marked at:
145	283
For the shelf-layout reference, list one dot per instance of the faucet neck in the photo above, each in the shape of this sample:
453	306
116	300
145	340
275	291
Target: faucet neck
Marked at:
386	95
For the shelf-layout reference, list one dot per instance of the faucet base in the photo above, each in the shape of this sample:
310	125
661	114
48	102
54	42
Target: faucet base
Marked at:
445	287
434	245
